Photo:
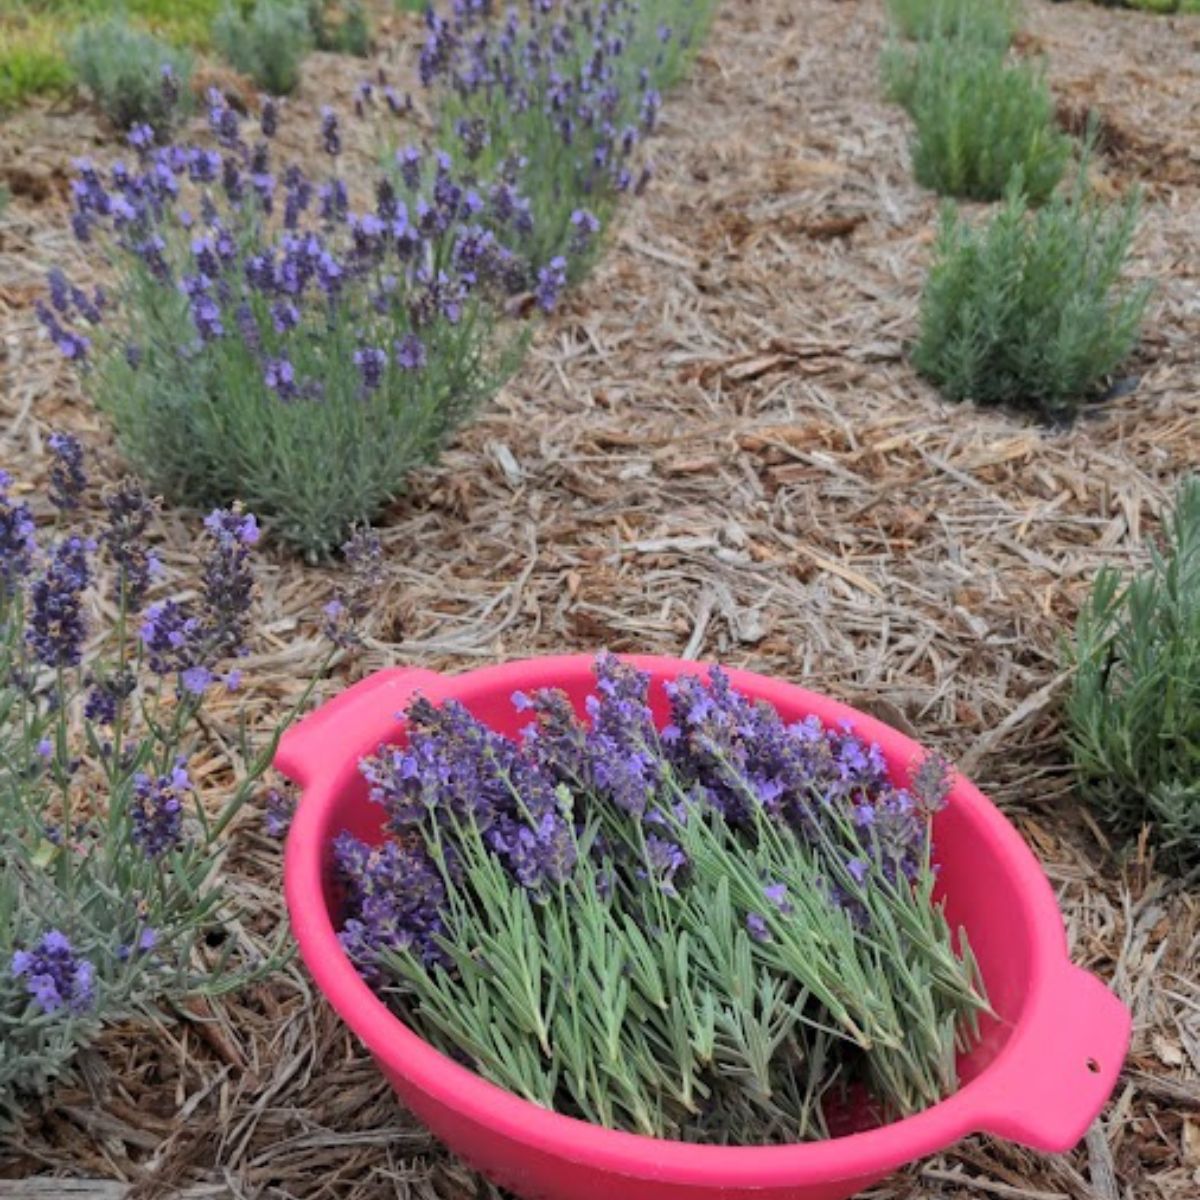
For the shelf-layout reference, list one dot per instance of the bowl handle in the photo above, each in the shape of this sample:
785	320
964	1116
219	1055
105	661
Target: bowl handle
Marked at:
1061	1063
352	724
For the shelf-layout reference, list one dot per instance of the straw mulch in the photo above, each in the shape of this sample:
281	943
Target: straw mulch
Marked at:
716	449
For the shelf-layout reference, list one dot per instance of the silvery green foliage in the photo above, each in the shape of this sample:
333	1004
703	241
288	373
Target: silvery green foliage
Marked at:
1134	711
989	22
133	76
110	866
706	932
978	119
1026	309
266	40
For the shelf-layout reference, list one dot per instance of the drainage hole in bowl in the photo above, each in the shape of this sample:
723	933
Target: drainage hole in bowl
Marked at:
1093	1066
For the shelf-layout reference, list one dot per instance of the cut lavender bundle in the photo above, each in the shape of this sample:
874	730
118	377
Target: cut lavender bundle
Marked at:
722	929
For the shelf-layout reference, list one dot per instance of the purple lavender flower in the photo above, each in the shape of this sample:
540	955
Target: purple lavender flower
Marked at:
17	542
410	162
128	513
56	625
410	353
156	810
67	477
59	291
584	227
222	120
172	636
269	118
280	808
55	976
757	927
371	363
551	280
663	860
396	894
228	579
106	696
280	376
331	139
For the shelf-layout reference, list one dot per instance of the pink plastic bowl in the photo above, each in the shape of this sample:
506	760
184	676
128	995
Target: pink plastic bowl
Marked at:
1040	1075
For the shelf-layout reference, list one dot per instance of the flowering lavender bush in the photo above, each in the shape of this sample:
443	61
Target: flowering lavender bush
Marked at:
109	867
273	342
557	101
712	932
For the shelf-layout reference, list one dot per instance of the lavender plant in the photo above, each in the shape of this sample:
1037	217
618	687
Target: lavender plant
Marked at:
133	77
978	119
718	931
1133	716
110	868
1028	309
985	22
556	102
270	341
266	41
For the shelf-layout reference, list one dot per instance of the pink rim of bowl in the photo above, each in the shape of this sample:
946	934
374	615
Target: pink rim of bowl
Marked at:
1039	1076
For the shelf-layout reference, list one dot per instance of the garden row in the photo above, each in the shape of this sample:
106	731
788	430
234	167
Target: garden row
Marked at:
1027	309
297	341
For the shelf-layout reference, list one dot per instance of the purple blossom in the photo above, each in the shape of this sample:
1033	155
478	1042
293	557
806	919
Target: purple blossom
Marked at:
67	477
228	580
757	927
410	161
55	976
584	227
551	280
410	353
128	513
331	139
173	637
280	808
371	363
56	625
156	810
280	376
269	117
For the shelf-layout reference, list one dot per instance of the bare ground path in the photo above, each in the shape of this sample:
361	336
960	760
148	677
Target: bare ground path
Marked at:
719	449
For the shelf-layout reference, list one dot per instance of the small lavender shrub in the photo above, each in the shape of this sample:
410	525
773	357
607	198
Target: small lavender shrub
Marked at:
977	120
341	28
1027	309
986	22
274	342
557	101
267	41
132	76
109	874
703	933
1134	712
